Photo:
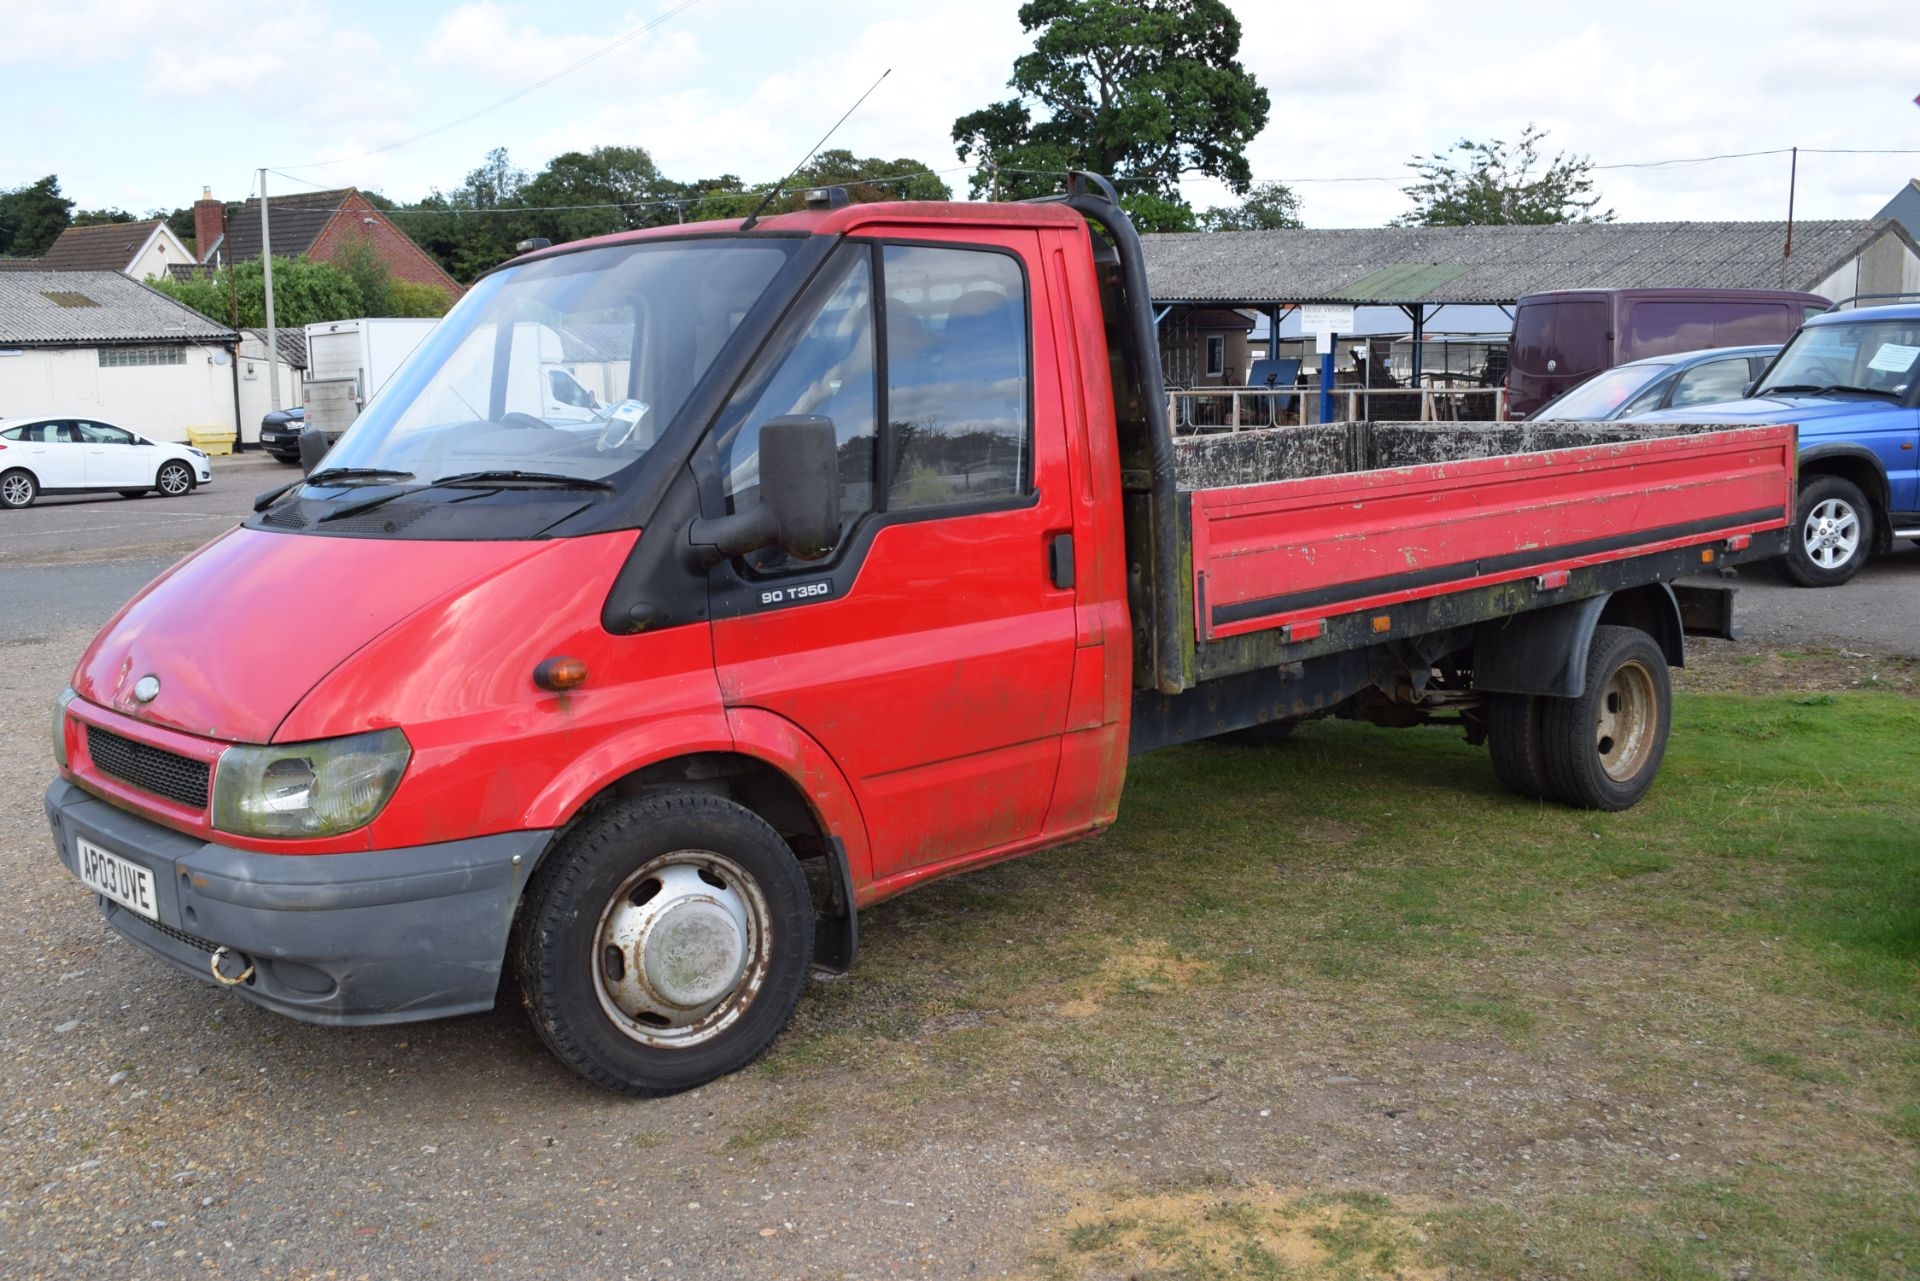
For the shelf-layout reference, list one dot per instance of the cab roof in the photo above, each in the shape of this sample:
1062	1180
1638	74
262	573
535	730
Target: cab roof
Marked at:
1893	311
842	221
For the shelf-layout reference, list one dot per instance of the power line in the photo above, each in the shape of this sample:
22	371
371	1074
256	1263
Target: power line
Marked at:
569	69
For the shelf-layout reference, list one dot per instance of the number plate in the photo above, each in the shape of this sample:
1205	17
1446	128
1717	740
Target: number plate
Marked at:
121	881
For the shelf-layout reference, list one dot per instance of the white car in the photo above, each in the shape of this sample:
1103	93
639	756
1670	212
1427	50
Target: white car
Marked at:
79	455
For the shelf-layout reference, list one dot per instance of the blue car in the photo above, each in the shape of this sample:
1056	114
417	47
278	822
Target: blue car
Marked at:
1851	381
1660	382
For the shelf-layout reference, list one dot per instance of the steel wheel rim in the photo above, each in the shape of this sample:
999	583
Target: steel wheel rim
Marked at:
1831	533
677	958
1624	727
16	490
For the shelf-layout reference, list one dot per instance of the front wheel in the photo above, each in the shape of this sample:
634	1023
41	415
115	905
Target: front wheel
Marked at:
174	479
665	943
1831	536
1600	751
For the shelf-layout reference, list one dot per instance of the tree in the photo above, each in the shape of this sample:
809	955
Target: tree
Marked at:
32	218
1269	206
1483	184
362	263
100	217
623	176
1140	90
304	293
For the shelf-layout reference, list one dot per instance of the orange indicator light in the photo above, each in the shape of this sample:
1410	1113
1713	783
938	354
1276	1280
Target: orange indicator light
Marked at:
560	674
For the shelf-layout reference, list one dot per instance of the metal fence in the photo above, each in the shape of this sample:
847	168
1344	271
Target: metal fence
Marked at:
1242	408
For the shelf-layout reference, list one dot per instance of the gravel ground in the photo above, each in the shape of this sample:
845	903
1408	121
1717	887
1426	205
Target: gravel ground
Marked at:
153	1127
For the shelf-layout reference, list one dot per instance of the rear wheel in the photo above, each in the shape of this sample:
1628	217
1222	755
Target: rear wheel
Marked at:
1831	536
18	489
1602	750
665	943
174	479
1513	740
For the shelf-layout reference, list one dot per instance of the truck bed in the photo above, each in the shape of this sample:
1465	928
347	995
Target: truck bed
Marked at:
1294	529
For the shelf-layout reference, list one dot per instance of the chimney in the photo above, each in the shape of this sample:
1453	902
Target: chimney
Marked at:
209	223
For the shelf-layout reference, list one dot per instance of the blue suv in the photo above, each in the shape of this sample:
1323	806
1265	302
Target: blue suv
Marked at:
1851	381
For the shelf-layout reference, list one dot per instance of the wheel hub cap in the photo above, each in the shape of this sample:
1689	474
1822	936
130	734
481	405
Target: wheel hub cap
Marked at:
679	948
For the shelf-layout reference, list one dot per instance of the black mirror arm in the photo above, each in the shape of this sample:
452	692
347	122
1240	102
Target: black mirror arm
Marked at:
714	539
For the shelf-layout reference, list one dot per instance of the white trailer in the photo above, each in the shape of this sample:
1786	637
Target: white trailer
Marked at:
348	361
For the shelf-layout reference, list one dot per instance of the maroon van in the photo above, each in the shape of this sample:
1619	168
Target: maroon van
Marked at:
1561	337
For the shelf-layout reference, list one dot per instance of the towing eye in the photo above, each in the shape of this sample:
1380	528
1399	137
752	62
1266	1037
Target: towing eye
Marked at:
219	954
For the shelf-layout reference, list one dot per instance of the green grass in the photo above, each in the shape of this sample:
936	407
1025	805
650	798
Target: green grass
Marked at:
1753	925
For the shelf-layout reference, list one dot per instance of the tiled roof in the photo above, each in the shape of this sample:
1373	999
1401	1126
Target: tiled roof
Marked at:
292	344
1493	264
109	246
65	308
293	222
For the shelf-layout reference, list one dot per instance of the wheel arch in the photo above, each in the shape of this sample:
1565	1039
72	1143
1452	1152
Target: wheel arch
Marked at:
1862	468
768	766
1544	651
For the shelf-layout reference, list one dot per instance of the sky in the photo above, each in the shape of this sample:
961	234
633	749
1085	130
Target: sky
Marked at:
139	105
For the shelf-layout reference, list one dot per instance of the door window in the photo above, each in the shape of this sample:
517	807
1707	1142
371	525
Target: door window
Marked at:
958	427
1711	383
102	434
824	368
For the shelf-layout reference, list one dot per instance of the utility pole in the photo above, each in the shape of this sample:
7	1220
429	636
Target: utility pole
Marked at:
1793	179
266	264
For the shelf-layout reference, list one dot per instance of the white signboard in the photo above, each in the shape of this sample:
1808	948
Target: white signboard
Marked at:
1320	318
1893	358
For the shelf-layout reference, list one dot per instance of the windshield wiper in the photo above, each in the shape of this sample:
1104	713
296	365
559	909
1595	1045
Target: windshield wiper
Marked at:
1811	390
488	479
335	475
474	480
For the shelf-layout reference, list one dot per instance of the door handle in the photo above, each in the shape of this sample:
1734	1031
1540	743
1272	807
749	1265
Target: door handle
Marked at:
1060	560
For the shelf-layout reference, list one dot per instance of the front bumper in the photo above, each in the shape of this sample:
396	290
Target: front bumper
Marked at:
388	936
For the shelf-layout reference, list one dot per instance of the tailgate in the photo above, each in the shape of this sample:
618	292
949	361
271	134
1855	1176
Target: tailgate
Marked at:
1297	551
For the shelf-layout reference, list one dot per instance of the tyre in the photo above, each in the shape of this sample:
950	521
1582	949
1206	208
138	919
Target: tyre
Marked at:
664	943
174	479
1513	740
18	489
134	493
1831	535
1602	749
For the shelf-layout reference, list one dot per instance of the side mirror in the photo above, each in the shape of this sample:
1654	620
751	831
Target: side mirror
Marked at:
799	507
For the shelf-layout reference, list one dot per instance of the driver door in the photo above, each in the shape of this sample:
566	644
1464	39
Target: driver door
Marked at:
932	654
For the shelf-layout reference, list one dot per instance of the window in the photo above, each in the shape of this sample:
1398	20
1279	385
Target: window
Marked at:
102	434
15	433
137	357
1216	355
957	421
825	369
1711	383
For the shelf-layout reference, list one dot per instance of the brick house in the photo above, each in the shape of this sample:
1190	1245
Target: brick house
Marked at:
317	225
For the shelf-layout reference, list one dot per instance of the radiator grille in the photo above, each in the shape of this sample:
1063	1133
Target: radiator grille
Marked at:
151	769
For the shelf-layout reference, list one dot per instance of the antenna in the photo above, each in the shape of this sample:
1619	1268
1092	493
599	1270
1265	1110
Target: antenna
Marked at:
766	200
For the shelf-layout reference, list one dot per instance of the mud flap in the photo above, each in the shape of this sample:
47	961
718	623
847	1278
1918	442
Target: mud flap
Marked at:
836	931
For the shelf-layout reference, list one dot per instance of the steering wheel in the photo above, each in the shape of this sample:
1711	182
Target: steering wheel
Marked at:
525	422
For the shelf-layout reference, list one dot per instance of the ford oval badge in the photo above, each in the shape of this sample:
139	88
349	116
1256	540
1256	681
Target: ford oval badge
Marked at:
146	689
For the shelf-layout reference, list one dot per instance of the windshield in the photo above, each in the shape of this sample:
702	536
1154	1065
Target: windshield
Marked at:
566	367
1877	356
1602	394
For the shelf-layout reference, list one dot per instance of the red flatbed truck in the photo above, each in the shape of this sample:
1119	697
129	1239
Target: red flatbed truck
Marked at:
874	562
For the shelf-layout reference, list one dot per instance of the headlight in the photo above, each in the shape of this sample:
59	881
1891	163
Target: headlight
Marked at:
60	725
308	789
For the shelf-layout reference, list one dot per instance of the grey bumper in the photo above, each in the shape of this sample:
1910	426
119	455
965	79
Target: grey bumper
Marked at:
389	936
